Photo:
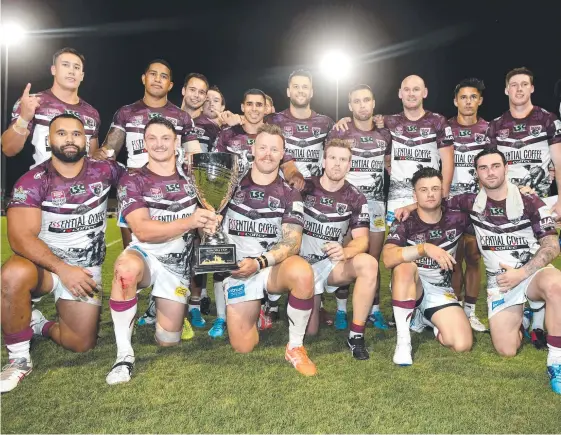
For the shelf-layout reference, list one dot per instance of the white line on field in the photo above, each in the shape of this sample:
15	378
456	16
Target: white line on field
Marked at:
113	242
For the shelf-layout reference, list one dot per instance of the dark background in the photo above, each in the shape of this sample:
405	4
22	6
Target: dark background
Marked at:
244	44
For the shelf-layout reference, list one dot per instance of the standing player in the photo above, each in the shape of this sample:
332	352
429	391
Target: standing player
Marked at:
194	93
333	206
32	112
208	123
56	228
269	106
161	209
264	220
420	252
469	139
530	138
368	147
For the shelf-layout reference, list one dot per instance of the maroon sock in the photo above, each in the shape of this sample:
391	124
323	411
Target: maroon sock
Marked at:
18	337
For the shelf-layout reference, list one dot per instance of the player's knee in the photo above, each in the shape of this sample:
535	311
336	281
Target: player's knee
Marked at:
80	344
462	344
167	338
366	266
127	269
507	349
301	277
404	272
552	292
243	346
17	276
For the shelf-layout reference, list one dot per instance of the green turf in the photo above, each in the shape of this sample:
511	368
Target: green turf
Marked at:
203	386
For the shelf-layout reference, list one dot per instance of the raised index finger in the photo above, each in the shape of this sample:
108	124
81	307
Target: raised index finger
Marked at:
26	90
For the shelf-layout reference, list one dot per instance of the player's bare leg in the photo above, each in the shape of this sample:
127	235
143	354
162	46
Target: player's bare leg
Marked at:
242	325
169	315
126	236
505	330
452	328
194	307
458	276
375	250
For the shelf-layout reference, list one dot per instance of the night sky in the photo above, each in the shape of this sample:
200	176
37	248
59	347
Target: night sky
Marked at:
244	44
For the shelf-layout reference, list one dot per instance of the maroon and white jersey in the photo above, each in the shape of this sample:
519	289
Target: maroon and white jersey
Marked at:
50	107
468	142
133	118
236	141
255	214
73	211
500	240
206	132
444	234
329	215
525	144
415	145
167	198
304	139
367	164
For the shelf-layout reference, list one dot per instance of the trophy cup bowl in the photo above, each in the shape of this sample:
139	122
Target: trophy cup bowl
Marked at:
214	177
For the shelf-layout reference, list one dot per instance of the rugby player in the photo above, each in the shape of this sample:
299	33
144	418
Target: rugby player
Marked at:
161	209
208	123
194	93
56	227
269	106
264	219
333	206
32	112
420	252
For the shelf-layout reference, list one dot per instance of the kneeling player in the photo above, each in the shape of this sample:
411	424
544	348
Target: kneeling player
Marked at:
332	206
161	209
421	253
264	220
56	227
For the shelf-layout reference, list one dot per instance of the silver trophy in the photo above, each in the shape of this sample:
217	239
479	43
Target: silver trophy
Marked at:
214	177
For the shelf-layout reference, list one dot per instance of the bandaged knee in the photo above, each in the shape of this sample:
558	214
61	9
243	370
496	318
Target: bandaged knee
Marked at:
167	337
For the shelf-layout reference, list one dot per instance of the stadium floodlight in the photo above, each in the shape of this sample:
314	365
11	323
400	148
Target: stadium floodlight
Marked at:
336	66
11	33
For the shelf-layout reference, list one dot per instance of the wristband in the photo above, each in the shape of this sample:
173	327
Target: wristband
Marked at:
20	126
270	259
20	122
263	262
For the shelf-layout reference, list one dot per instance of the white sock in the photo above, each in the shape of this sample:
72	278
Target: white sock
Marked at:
554	355
341	304
123	324
219	299
19	350
198	307
297	320
469	309
402	323
539	319
204	293
375	309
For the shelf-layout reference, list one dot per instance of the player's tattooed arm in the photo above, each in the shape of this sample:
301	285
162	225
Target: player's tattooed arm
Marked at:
112	144
288	245
548	251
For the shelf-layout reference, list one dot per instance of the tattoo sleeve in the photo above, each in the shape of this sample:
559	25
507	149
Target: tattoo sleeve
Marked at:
549	249
288	245
115	140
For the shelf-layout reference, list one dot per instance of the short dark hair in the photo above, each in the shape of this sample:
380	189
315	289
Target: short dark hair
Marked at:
470	83
254	91
486	152
521	70
215	89
300	73
65	116
161	121
164	63
360	88
71	51
426	172
196	76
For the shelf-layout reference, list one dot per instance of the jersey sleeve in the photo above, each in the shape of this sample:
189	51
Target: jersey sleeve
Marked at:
129	194
360	217
540	216
397	234
119	119
97	119
29	190
462	202
386	135
553	129
491	134
294	208
16	112
188	134
444	136
117	171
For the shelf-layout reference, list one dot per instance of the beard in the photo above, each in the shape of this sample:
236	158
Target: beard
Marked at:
361	118
303	105
68	158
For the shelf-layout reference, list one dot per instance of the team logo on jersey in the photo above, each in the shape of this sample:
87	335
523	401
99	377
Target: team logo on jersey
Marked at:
77	189
121	192
535	130
326	201
156	193
519	128
82	209
58	197
367	154
238	197
189	189
322	218
425	132
411	128
172	120
479	137
496	211
136	120
250	141
172	188
287	130
435	234
464	133
418	239
366	139
38	175
253	214
381	143
90	122
153	115
72	112
316	131
302	128
97	188
174	207
503	134
236	145
199	132
310	201
20	194
399	130
450	234
257	195
273	203
341	208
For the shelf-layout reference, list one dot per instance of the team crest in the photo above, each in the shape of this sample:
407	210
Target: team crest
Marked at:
238	197
399	130
425	132
90	122
419	238
121	192
82	209
58	197
253	214
156	193
38	175
174	207
189	189
322	218
199	132
316	131
479	138
287	131
341	208
310	201
236	145
352	142
503	134
450	235
172	120
273	203
97	188
136	120
535	130
381	143
20	194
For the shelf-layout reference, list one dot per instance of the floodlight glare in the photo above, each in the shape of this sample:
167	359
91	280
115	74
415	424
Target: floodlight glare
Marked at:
335	65
11	34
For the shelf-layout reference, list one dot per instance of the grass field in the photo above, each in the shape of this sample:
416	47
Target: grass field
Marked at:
203	386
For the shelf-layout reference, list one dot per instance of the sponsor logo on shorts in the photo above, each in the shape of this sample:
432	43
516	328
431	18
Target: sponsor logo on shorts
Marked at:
181	291
497	303
236	291
379	222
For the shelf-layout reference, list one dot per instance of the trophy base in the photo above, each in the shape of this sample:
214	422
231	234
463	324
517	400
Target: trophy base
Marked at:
215	258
